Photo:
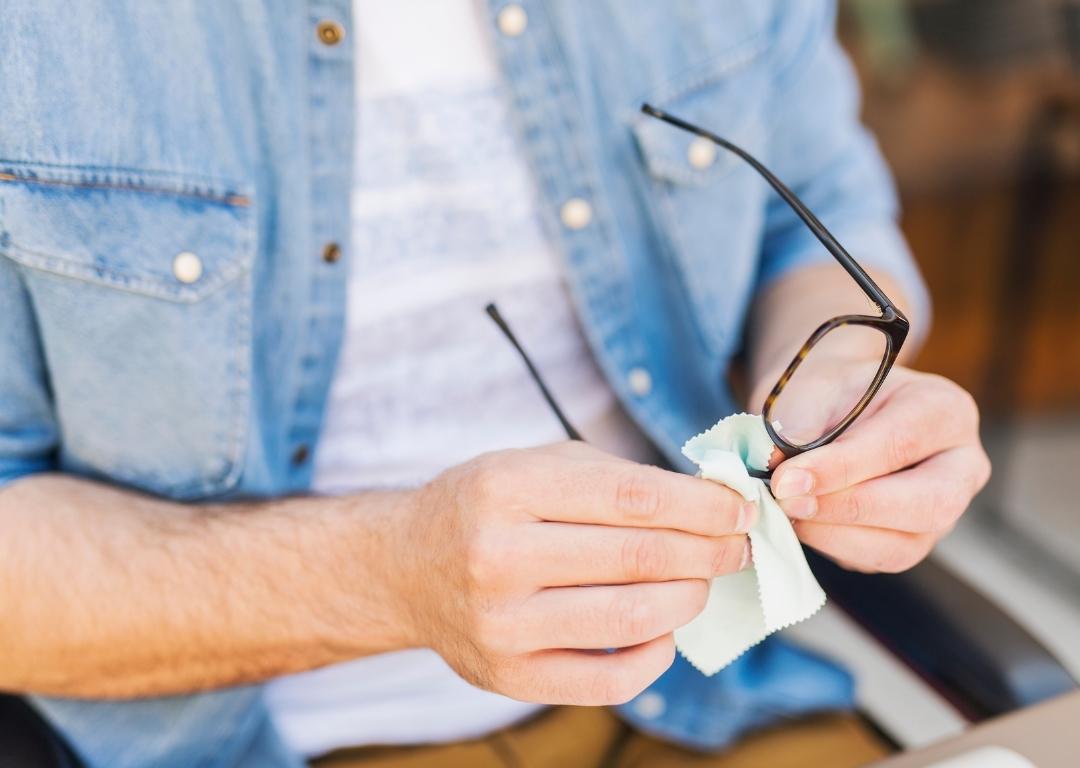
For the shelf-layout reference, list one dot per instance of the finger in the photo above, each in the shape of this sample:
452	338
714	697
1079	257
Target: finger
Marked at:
918	421
927	498
871	550
639	496
603	492
590	678
564	554
603	617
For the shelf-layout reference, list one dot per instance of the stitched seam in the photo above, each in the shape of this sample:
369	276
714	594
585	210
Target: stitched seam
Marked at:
241	375
181	178
239	382
230	199
504	750
756	46
565	91
56	265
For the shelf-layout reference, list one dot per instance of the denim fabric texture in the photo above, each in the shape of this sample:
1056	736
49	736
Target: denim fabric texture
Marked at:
135	132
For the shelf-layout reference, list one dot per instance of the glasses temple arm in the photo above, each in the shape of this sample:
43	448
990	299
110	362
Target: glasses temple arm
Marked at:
820	232
493	313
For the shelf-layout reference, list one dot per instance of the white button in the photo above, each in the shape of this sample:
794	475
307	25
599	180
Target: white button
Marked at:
640	381
650	705
576	213
512	20
701	153
187	267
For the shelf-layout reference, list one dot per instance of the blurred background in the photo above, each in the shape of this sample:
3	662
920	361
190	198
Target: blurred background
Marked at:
976	104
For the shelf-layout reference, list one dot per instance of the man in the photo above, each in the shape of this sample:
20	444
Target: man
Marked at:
275	490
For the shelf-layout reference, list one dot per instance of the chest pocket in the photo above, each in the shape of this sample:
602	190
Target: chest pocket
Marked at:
708	201
141	287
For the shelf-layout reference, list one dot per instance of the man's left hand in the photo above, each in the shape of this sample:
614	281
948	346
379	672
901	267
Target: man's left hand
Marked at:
883	493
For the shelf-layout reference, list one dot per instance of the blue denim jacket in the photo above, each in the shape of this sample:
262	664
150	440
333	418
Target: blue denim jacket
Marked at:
134	132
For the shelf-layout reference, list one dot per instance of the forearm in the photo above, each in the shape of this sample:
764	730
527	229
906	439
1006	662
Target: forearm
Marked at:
106	593
788	311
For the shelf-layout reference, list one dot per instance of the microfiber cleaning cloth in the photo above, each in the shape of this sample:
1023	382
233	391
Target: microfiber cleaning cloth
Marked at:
778	589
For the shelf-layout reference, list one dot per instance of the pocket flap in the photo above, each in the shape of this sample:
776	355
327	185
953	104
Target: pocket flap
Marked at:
726	101
175	237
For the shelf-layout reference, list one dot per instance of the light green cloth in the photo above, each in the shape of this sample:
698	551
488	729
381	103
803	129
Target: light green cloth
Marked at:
778	590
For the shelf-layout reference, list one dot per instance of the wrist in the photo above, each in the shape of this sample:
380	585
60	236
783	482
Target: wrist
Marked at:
402	560
365	588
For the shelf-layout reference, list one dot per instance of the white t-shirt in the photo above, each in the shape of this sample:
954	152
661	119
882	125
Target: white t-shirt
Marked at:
444	220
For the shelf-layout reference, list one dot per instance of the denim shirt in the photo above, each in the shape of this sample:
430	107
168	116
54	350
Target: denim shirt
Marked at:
171	173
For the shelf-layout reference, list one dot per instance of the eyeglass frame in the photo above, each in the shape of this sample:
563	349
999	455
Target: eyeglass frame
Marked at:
892	322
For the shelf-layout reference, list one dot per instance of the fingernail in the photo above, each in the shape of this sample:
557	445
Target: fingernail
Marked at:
747	517
801	507
747	556
794	482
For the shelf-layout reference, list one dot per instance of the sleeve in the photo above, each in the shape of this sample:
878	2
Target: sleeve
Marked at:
28	431
820	149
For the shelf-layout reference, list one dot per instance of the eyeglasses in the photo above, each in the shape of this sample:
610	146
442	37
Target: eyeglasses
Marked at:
799	416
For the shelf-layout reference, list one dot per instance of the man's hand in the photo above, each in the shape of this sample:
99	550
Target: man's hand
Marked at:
485	564
881	495
526	566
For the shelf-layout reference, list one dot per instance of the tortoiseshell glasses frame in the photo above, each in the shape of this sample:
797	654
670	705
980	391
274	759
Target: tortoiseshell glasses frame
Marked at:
891	322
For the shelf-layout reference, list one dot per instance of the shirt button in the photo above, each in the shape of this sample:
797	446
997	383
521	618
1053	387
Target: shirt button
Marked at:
187	267
650	705
300	455
512	20
330	32
331	252
701	153
576	213
640	381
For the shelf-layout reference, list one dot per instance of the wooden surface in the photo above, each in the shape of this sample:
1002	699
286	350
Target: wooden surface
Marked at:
1047	735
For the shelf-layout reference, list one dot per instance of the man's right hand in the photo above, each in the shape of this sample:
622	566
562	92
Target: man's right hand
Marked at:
524	566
